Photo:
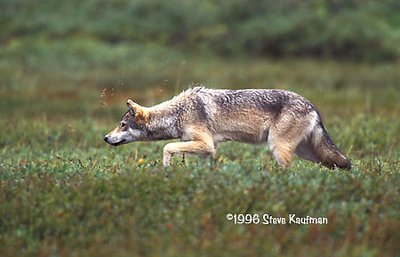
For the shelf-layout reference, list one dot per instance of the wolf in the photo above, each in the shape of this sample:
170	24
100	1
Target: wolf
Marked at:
202	118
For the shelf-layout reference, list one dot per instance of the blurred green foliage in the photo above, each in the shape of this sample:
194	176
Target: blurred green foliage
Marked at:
67	67
351	29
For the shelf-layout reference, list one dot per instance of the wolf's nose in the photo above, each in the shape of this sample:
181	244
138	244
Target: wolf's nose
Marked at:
105	138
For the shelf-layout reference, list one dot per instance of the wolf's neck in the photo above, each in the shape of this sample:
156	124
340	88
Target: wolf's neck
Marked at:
163	124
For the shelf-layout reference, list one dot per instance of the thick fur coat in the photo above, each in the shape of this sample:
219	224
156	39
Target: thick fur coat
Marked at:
202	118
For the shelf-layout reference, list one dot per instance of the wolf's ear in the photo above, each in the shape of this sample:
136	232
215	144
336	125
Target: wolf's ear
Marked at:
141	114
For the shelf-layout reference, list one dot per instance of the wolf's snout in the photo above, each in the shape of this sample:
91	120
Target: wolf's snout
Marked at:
105	139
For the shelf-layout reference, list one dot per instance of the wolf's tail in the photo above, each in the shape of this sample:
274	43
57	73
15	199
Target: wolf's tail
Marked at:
326	151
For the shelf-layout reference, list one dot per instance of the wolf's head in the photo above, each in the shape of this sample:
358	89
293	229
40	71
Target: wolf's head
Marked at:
131	127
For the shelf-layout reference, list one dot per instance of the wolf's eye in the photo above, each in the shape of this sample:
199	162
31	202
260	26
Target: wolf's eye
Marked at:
123	123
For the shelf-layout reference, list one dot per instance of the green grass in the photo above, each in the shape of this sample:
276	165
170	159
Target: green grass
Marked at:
64	192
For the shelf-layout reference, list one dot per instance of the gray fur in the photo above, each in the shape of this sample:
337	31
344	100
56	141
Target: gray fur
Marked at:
202	118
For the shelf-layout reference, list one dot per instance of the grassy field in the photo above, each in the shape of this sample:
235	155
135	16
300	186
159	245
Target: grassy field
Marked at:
64	192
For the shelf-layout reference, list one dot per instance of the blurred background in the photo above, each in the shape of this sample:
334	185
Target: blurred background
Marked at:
82	59
148	48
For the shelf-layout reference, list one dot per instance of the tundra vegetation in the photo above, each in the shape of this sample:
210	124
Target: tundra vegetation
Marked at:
66	70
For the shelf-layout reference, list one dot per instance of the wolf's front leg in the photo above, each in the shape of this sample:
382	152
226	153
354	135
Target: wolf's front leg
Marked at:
189	147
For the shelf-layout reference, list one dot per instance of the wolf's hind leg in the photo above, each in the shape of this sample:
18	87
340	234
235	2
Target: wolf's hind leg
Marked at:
287	134
283	154
282	151
189	147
